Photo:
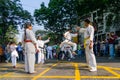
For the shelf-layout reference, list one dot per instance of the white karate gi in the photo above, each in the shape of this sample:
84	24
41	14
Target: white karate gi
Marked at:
14	54
66	48
68	38
49	52
41	56
90	57
30	51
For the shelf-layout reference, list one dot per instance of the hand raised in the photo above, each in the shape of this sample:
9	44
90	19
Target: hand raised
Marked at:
77	28
49	37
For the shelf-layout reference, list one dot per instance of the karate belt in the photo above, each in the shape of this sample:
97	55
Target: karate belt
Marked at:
31	41
85	41
28	40
41	47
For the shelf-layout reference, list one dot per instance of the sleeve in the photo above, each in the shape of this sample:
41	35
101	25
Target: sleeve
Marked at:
37	44
46	41
65	35
82	30
32	37
91	31
74	35
22	38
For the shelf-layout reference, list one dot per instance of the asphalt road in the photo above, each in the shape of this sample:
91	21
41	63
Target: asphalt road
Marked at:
64	70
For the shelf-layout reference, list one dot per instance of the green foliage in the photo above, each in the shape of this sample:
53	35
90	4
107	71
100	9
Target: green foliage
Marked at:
11	34
58	15
63	13
12	13
41	32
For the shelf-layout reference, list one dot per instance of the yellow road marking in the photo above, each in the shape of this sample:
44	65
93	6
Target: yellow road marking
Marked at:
101	77
114	68
38	76
15	76
112	72
6	75
3	69
41	77
77	73
57	77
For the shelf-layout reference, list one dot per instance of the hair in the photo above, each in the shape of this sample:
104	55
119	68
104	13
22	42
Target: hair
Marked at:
12	42
26	25
87	21
38	37
20	43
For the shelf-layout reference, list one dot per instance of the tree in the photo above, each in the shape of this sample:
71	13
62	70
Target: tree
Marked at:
114	7
61	14
10	34
12	13
41	32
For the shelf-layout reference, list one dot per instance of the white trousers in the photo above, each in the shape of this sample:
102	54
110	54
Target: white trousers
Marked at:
74	45
29	62
70	53
14	60
49	55
90	58
41	57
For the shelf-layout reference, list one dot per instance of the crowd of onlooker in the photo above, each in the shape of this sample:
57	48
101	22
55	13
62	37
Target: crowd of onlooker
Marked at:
109	47
50	52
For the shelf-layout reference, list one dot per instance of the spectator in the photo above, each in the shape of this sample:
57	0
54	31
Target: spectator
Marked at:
20	51
118	49
102	48
98	48
111	40
49	52
95	48
106	48
79	51
1	53
8	53
54	51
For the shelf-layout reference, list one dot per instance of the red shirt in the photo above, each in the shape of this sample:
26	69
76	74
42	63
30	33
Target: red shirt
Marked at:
111	41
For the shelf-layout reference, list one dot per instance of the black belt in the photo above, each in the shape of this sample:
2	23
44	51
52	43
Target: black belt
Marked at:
41	47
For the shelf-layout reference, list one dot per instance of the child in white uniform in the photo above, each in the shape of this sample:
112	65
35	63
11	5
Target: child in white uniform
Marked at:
14	54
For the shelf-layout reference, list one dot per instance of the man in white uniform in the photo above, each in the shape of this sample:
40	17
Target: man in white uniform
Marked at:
40	44
68	40
88	44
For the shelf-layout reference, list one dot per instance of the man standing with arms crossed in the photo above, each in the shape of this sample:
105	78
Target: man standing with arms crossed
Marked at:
88	45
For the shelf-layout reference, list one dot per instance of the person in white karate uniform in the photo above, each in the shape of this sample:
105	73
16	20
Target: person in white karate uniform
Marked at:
68	40
88	44
30	48
41	43
67	48
14	54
